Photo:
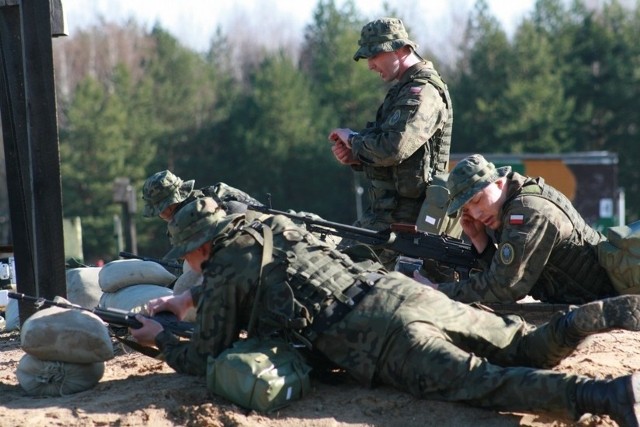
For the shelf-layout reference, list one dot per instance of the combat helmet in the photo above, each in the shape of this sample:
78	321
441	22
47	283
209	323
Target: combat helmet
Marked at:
163	189
471	175
382	35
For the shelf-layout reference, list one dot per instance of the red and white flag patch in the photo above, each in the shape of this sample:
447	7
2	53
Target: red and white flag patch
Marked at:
516	219
415	90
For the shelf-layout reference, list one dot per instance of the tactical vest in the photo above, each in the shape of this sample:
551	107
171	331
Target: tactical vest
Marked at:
303	278
409	179
574	262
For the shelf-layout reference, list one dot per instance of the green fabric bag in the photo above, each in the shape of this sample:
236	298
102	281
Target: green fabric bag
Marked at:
264	375
620	256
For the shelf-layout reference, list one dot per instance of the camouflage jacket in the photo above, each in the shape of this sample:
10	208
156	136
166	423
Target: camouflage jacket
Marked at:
407	143
301	266
543	248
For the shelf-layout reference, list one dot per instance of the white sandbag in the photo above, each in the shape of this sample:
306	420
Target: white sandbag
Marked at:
132	297
53	378
83	287
66	335
187	280
121	273
12	316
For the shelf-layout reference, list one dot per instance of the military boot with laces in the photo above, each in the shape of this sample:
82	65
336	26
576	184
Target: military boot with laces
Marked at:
621	312
617	398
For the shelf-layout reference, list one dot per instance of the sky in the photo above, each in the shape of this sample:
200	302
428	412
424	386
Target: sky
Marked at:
193	22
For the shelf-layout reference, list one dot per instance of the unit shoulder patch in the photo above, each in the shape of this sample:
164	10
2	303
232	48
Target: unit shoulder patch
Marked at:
506	253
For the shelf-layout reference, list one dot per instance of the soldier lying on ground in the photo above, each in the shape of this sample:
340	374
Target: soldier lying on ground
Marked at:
389	329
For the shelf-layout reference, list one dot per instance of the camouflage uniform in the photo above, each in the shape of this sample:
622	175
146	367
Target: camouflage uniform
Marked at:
410	138
543	247
409	141
398	332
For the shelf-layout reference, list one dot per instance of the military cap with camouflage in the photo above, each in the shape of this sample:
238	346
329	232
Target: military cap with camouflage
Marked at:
471	175
193	225
382	35
163	189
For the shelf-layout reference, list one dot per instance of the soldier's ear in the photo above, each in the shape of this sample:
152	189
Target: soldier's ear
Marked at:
500	182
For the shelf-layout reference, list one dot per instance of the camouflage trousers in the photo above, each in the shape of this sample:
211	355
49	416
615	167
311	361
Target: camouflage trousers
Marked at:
439	349
459	353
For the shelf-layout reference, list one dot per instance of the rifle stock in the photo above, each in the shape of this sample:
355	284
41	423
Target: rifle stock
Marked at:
114	317
405	239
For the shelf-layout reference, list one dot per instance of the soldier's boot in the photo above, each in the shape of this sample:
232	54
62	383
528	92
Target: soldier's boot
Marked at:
617	398
621	312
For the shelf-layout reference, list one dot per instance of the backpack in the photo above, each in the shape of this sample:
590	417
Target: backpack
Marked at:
620	256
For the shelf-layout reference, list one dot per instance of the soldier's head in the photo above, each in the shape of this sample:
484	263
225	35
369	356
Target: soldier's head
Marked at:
382	35
162	192
192	227
476	186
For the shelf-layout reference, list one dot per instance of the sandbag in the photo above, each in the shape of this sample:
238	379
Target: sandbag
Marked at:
83	287
187	280
133	297
620	256
66	335
53	378
121	273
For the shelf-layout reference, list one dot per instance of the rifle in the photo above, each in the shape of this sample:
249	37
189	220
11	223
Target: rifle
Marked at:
167	264
114	317
405	239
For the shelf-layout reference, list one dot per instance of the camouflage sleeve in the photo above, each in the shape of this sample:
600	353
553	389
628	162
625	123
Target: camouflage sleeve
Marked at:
415	115
530	232
222	310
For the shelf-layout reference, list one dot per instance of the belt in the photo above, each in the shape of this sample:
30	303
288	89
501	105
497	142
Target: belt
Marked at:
337	310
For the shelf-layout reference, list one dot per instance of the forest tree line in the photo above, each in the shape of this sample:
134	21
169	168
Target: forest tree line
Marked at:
133	102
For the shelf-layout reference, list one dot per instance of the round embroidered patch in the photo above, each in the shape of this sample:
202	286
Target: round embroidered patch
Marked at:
507	253
394	118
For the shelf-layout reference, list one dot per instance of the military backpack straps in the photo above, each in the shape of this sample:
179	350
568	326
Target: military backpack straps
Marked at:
260	373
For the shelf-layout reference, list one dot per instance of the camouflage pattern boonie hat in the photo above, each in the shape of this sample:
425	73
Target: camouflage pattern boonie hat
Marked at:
163	189
471	175
193	225
382	35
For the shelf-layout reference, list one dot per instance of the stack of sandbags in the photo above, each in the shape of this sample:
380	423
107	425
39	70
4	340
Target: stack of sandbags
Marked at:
66	350
128	284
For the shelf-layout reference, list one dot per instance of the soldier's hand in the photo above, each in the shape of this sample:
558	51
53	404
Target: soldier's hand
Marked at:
475	230
420	278
177	304
146	335
344	154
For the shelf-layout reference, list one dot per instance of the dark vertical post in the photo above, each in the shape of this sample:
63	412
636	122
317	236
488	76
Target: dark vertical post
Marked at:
30	132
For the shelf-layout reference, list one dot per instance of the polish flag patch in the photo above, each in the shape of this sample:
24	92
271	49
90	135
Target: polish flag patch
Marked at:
516	219
415	90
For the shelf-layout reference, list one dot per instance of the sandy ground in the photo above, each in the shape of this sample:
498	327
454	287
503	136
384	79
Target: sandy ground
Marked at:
137	390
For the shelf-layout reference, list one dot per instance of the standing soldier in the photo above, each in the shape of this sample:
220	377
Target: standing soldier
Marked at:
407	145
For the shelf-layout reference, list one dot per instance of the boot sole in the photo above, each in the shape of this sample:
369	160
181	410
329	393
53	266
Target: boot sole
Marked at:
621	312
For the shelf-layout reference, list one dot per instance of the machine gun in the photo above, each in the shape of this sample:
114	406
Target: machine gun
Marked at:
114	317
405	239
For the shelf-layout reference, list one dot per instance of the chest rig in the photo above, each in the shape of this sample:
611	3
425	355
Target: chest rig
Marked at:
304	285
